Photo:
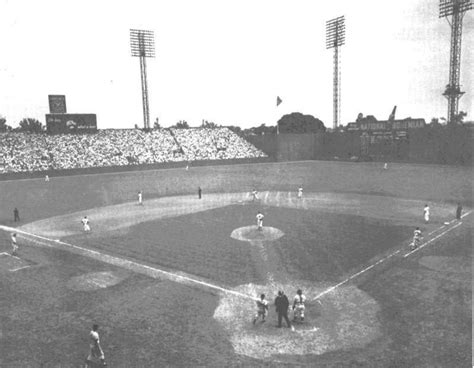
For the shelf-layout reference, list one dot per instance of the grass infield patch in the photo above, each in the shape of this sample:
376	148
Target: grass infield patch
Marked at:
316	246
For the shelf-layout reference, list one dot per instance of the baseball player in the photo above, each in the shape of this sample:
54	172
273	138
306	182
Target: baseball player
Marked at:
262	309
14	244
259	221
458	211
300	192
85	224
96	351
299	306
254	195
140	198
426	213
417	237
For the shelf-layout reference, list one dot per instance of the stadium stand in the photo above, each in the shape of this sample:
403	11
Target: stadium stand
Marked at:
27	152
214	144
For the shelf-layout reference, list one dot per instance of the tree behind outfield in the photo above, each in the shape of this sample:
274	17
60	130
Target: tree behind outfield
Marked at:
209	124
3	125
182	124
300	124
30	125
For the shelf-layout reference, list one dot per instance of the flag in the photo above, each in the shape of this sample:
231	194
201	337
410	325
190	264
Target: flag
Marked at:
279	101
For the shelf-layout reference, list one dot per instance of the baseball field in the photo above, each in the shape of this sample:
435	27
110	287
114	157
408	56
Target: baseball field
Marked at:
173	282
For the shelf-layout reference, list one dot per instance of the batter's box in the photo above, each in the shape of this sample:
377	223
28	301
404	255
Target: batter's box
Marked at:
13	263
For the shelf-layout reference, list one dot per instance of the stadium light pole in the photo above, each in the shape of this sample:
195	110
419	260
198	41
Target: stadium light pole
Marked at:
335	37
453	11
142	45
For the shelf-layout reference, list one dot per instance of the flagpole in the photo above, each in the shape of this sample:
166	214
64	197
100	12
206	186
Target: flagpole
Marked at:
279	101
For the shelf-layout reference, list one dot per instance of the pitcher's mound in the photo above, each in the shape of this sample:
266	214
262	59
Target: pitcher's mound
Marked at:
251	233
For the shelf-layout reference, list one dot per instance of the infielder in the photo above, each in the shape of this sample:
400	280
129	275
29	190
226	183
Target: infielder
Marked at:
254	195
426	213
259	221
85	224
300	192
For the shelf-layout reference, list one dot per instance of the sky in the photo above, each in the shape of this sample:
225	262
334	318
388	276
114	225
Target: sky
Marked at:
226	61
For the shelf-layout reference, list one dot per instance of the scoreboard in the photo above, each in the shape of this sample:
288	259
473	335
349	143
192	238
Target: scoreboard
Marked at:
71	123
57	104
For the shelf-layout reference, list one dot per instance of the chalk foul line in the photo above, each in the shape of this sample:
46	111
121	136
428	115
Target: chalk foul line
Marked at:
125	263
334	287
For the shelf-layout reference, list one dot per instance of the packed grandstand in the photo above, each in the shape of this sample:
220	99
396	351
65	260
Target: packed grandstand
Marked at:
27	152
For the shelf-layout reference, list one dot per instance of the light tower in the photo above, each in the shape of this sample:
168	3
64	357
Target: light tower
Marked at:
142	44
453	11
335	37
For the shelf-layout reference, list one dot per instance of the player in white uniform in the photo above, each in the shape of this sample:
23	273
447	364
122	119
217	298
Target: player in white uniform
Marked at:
426	213
254	195
300	192
417	237
46	178
385	166
96	351
299	306
14	244
140	198
85	224
259	221
262	309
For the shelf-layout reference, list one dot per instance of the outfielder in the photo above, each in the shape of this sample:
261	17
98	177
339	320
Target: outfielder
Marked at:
300	192
140	198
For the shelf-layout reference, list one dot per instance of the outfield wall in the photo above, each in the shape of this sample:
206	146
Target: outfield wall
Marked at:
446	146
126	168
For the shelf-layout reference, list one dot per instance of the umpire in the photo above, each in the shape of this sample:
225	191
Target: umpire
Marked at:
282	303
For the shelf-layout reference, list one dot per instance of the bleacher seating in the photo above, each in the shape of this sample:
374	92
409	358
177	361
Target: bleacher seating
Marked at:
28	152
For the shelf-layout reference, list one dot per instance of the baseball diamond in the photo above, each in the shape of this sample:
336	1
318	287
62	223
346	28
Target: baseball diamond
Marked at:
180	263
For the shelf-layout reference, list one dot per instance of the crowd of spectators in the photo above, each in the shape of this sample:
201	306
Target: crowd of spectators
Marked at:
27	152
214	144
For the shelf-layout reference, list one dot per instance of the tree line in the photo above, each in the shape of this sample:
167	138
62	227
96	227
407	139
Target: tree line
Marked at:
26	125
296	123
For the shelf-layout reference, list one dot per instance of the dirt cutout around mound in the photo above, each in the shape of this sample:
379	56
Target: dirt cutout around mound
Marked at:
346	318
95	280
